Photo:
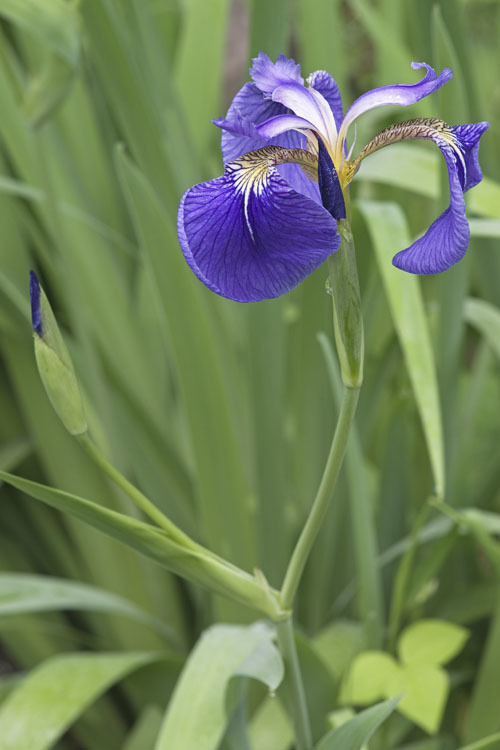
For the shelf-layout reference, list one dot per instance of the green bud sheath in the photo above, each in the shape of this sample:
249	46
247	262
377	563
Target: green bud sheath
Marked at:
348	320
54	363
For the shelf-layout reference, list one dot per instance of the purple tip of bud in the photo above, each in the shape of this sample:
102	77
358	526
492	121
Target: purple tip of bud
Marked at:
329	184
36	310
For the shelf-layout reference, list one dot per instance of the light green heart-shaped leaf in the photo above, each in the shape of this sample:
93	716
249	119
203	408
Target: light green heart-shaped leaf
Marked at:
425	690
431	642
369	675
57	692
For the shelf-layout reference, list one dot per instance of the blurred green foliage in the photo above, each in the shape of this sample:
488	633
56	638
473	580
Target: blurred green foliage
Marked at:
222	413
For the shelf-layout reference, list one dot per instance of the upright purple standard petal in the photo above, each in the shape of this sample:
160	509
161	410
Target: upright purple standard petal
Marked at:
468	137
446	240
249	109
323	82
248	236
401	94
268	75
36	312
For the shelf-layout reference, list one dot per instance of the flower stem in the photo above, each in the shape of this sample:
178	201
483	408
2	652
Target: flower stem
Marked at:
322	499
142	502
192	561
303	736
348	329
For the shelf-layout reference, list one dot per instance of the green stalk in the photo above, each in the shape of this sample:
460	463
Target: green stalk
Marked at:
286	639
322	500
142	502
192	561
348	328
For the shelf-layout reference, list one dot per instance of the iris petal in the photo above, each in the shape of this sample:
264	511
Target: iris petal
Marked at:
329	185
446	240
249	108
248	236
310	105
268	75
468	137
323	82
401	94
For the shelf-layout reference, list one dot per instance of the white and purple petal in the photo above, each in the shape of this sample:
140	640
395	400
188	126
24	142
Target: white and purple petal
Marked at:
323	82
267	75
248	236
249	109
398	94
446	240
310	105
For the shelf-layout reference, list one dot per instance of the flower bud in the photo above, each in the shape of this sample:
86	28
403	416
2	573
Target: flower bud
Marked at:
54	363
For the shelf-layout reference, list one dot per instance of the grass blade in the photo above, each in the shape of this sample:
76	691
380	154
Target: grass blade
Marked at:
389	233
54	695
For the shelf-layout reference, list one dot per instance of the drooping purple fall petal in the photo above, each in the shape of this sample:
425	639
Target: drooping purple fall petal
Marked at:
446	240
248	236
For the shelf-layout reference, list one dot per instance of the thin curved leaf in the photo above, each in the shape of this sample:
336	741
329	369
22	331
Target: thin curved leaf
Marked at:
192	562
353	734
485	317
57	692
22	593
55	24
198	713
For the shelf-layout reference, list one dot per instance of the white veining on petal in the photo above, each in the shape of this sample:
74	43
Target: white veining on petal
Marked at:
249	176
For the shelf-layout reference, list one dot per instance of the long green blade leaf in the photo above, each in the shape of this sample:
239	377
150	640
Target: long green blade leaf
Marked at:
57	692
192	563
389	232
197	714
486	318
24	593
357	731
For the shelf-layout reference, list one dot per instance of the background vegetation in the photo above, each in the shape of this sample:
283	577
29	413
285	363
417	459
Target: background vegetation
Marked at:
222	413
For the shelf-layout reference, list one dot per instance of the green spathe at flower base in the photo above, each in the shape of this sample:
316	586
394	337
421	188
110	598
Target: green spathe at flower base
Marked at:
54	363
343	275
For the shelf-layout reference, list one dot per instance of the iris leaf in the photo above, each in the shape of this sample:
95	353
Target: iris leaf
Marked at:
46	704
357	731
485	317
197	714
22	593
389	232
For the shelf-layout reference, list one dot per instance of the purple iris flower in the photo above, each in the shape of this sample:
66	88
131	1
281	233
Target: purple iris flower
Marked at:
271	219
